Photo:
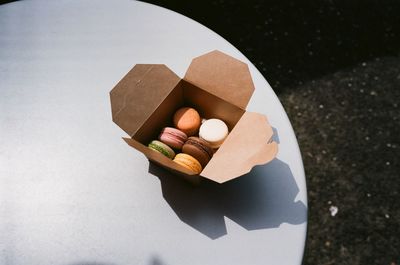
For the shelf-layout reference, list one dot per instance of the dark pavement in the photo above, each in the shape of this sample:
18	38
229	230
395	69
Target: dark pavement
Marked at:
335	65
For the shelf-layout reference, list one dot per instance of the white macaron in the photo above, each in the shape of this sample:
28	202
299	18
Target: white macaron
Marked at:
214	131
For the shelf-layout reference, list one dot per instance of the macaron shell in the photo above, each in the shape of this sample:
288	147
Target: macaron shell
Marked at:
189	162
199	149
187	120
162	148
214	131
172	137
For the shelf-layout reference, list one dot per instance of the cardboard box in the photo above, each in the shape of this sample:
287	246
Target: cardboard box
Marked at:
217	86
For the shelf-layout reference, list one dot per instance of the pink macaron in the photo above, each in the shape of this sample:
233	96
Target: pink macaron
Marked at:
173	137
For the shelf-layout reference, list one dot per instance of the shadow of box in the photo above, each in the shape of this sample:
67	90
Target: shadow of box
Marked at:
262	199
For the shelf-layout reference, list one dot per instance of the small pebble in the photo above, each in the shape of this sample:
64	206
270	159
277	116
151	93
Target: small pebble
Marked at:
334	210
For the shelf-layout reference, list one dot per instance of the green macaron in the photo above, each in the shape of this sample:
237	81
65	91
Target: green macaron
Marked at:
162	148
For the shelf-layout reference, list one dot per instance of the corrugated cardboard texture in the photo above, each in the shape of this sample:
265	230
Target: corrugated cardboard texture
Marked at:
139	93
223	76
243	149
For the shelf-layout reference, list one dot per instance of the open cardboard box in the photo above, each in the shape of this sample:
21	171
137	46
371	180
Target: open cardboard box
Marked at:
217	86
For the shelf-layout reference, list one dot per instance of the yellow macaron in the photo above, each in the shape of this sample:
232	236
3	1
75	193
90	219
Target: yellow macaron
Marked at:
188	162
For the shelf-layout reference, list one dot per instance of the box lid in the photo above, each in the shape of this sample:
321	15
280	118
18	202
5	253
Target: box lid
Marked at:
243	149
139	93
223	76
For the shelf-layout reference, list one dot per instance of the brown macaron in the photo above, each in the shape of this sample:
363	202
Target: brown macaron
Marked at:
199	149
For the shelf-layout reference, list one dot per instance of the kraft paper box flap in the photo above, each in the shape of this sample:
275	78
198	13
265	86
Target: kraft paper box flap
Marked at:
157	157
243	149
139	93
223	76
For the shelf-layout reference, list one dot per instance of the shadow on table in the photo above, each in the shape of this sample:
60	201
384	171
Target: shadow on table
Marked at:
261	199
155	260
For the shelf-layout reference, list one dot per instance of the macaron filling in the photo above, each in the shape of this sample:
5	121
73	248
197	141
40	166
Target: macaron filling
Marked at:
157	146
202	147
189	162
172	137
214	131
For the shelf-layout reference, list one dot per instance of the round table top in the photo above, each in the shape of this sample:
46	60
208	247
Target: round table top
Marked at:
72	192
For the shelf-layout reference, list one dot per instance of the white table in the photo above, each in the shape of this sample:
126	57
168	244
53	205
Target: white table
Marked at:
72	192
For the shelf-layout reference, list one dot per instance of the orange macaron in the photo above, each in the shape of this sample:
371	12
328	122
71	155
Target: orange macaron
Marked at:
189	162
187	120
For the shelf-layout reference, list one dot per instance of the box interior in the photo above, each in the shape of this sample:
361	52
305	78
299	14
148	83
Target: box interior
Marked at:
187	94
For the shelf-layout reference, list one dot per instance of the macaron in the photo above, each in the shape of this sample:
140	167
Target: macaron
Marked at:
199	149
187	120
162	148
172	137
214	131
189	162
